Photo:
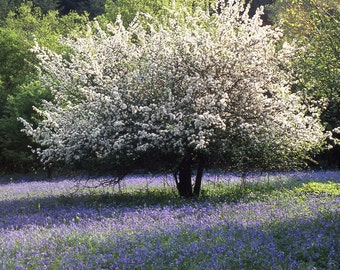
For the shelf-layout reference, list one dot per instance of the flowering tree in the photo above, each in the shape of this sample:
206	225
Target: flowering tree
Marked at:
187	89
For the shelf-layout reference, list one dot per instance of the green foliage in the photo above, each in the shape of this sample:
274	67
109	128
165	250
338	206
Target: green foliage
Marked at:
6	6
15	71
14	67
314	26
128	9
298	17
318	188
64	7
31	24
20	88
45	5
15	153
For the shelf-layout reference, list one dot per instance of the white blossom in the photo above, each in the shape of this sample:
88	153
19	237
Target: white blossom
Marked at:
207	83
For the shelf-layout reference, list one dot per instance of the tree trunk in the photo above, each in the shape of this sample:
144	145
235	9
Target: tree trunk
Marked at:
199	175
183	181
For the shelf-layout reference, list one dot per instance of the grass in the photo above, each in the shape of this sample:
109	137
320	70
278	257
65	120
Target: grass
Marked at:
329	188
283	222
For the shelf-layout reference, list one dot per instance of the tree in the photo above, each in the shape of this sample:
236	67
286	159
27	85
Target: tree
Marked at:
128	9
190	90
20	87
7	6
14	71
315	26
64	7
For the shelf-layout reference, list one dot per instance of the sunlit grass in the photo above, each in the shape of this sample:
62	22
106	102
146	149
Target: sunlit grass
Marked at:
329	188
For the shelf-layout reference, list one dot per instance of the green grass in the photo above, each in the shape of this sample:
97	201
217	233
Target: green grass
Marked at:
317	188
214	193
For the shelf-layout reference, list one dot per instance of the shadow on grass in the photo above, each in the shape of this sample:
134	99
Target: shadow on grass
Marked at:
19	212
220	192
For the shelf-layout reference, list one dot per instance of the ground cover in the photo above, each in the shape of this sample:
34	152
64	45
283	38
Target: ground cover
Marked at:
288	221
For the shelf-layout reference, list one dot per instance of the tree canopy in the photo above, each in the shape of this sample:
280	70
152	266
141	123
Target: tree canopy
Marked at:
64	7
315	26
189	89
20	87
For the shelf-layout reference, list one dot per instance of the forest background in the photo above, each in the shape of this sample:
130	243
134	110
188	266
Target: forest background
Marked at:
312	24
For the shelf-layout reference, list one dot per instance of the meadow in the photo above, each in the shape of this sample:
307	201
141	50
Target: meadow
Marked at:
281	221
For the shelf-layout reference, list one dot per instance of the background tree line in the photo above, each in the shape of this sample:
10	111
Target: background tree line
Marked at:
313	24
92	7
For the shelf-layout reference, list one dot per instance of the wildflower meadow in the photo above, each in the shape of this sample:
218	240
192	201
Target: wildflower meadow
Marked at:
282	221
